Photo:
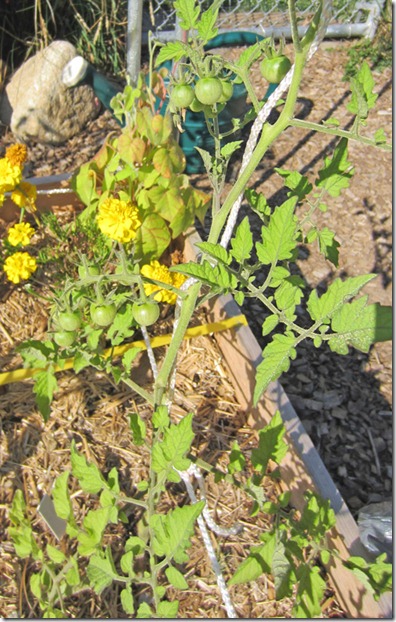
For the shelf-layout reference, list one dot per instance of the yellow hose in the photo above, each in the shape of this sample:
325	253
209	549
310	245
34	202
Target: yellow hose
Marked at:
162	340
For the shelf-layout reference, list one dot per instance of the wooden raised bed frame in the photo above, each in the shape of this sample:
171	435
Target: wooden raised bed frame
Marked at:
302	469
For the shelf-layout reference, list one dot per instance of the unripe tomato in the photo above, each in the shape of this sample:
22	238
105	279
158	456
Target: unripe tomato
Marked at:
208	91
196	105
69	320
145	313
103	314
65	338
182	95
274	69
228	89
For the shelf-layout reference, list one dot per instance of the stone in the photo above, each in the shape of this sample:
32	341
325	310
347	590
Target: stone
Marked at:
38	107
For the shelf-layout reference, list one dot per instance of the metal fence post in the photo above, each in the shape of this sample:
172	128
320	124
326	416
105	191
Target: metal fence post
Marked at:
134	39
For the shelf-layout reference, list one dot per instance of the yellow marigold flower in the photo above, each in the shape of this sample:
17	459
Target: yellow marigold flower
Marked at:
16	154
20	234
25	196
156	271
118	219
10	175
19	266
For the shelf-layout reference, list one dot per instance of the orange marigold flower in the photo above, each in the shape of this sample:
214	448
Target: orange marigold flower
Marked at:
16	154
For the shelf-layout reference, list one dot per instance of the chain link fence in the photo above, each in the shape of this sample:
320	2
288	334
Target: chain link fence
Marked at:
350	18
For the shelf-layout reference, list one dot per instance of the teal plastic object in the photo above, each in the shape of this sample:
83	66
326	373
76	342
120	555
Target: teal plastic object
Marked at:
195	132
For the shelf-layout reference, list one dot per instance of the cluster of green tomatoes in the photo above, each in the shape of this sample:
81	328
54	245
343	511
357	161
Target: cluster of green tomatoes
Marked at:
211	91
67	320
201	96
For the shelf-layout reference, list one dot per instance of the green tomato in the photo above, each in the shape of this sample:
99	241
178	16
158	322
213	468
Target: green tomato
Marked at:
83	272
69	320
228	89
274	69
103	314
145	313
196	106
182	95
65	338
208	91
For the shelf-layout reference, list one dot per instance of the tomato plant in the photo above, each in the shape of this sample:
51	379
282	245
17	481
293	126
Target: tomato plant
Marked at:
182	95
65	338
208	91
146	313
274	69
69	320
84	271
103	314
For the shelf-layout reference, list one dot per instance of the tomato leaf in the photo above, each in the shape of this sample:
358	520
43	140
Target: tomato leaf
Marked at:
272	445
339	292
276	360
206	26
337	171
360	325
172	532
279	238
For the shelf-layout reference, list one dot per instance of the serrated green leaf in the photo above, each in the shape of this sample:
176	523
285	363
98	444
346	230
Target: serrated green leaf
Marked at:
89	476
101	571
258	203
61	497
35	584
328	246
310	590
55	554
73	576
280	237
144	611
317	517
161	417
169	454
242	242
380	137
126	598
216	251
289	293
363	98
258	562
282	572
337	171
206	26
229	148
45	385
22	539
299	185
236	458
172	532
176	578
166	609
325	556
339	292
138	429
174	50
188	13
272	445
94	524
216	277
360	325
126	562
36	353
276	360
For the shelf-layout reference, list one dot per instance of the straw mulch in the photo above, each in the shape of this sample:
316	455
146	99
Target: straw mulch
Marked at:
91	409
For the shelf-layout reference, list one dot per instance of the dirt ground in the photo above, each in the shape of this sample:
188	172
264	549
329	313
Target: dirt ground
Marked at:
344	402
